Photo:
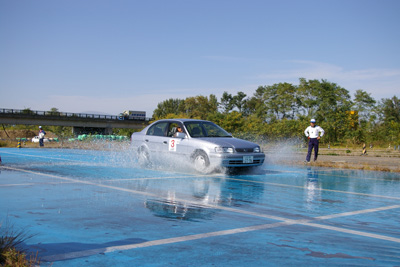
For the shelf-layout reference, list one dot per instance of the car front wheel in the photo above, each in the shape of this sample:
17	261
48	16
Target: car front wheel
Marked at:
201	162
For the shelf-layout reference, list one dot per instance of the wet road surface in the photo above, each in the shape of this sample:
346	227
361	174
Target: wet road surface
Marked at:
98	208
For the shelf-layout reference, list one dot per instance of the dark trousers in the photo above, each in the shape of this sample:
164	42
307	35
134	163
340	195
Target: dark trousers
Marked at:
41	142
312	143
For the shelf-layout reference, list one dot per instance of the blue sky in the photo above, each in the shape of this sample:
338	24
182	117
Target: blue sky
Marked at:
116	55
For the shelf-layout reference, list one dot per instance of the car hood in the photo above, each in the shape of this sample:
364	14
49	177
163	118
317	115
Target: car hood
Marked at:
229	142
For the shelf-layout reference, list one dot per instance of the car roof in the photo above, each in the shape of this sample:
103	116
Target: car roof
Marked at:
172	120
182	120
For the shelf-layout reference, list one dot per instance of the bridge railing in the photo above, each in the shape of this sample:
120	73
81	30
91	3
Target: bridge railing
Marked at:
59	114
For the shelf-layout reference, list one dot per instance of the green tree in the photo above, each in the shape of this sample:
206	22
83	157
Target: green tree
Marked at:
54	112
389	113
239	100
307	97
27	111
200	106
364	104
227	103
280	101
170	106
390	108
256	105
284	129
233	122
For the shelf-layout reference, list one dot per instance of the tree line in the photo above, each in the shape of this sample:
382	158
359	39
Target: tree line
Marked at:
283	110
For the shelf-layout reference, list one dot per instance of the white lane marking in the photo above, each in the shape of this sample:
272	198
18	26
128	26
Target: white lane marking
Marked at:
158	242
72	180
284	222
346	177
148	178
354	232
173	240
351	213
5	185
320	189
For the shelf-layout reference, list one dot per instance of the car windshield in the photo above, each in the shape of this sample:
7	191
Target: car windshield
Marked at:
205	129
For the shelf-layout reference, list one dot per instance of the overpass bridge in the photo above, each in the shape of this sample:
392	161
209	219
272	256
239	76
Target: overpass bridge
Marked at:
80	122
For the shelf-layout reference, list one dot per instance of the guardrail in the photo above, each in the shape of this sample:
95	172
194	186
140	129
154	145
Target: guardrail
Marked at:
61	114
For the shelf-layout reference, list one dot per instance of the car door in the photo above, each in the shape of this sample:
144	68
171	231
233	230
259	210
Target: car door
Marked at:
157	140
177	146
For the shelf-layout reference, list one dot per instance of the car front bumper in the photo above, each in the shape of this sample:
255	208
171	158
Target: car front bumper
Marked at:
238	159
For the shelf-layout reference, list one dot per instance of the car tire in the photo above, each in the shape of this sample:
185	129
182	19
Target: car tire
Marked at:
201	162
144	157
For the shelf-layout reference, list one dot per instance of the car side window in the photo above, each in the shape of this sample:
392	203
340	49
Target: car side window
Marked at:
215	131
173	129
158	129
195	129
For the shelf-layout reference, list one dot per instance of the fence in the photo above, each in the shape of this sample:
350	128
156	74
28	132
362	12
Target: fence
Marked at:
58	114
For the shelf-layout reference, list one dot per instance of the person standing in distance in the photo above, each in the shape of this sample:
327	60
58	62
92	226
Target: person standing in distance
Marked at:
314	133
42	133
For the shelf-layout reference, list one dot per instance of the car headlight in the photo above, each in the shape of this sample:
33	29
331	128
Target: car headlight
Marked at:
257	149
220	149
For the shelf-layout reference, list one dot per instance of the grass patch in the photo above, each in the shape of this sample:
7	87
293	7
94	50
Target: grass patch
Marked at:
15	258
10	252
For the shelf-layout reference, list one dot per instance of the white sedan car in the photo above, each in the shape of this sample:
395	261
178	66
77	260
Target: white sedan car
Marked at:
203	143
36	139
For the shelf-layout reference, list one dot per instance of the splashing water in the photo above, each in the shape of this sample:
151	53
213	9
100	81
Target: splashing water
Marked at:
121	154
287	150
276	151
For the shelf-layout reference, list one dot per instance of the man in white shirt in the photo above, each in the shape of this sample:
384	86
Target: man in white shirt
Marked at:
314	133
42	133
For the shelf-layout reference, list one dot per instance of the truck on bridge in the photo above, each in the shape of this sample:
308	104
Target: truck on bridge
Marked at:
132	115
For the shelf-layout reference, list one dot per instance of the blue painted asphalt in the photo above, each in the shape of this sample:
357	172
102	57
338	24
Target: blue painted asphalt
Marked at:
98	208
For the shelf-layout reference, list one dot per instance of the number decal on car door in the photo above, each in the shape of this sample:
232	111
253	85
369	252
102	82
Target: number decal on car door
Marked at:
172	145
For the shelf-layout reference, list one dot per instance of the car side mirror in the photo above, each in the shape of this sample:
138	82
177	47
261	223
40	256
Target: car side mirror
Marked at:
180	135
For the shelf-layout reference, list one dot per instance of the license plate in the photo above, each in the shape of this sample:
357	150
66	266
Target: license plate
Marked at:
247	159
